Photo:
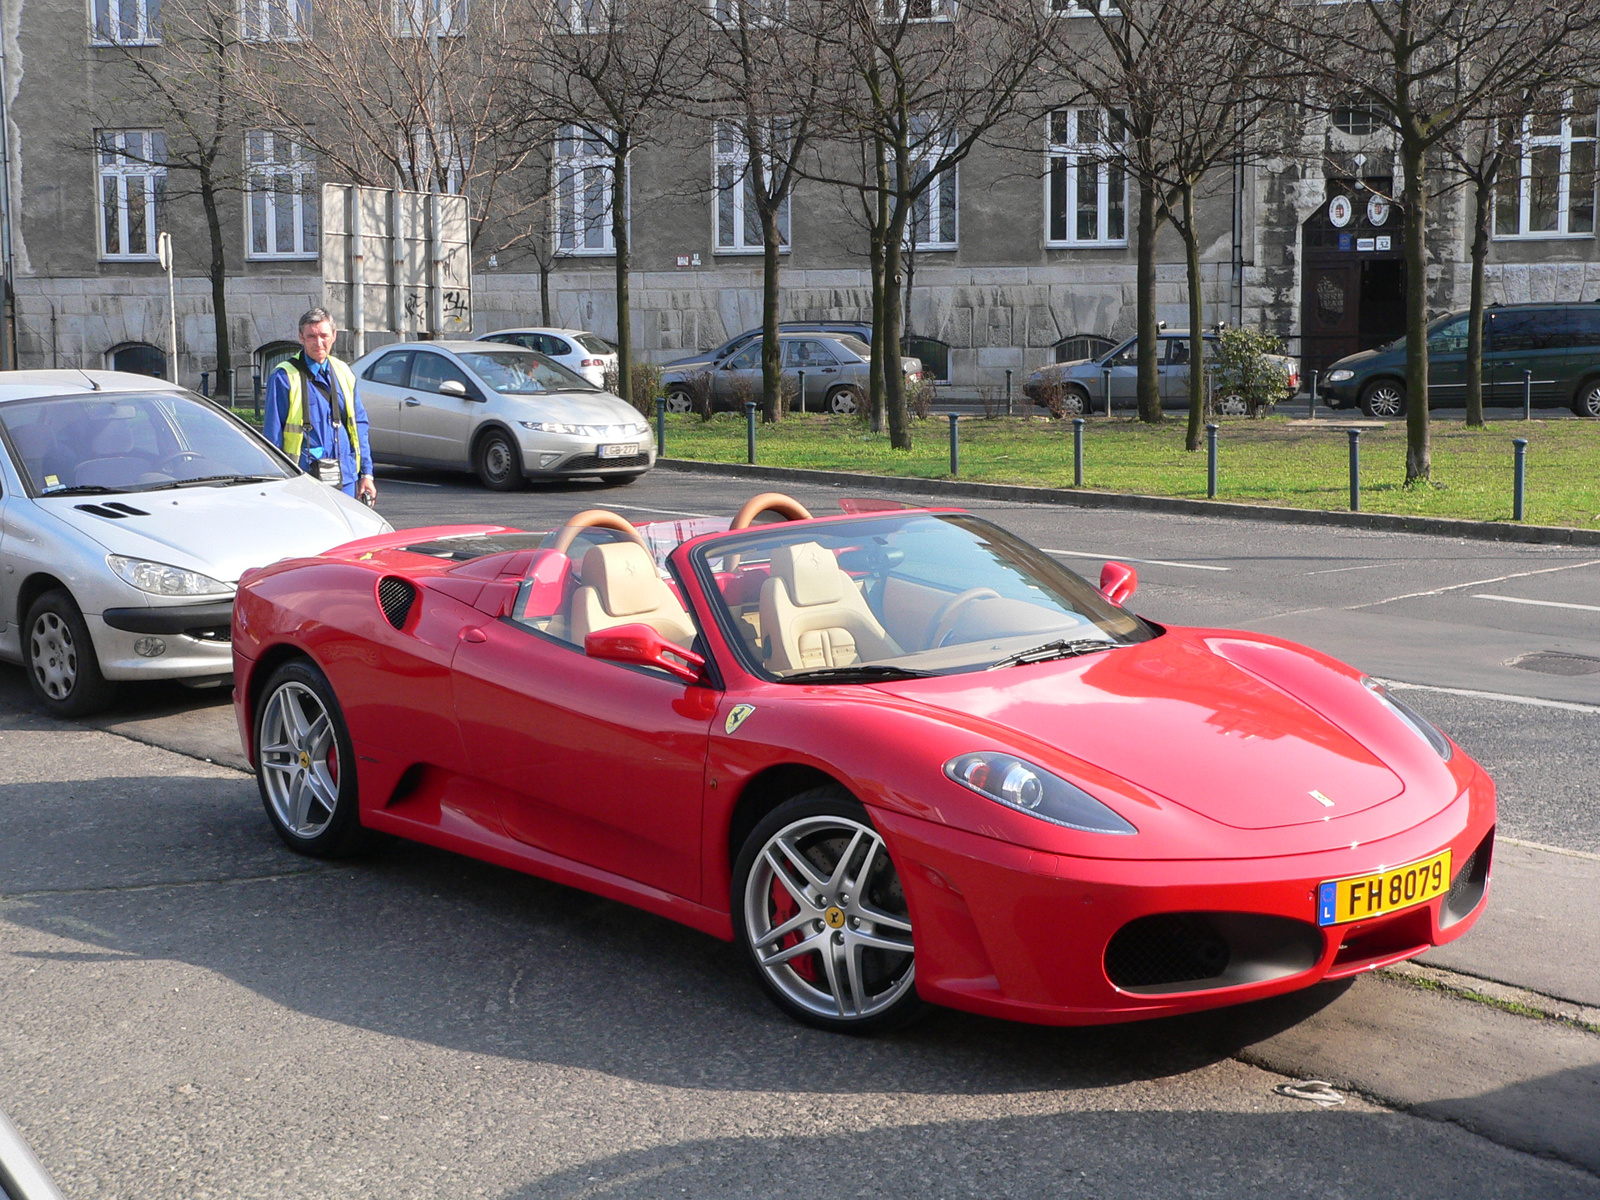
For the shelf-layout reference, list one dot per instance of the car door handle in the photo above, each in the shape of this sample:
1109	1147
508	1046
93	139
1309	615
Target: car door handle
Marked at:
830	370
412	402
473	634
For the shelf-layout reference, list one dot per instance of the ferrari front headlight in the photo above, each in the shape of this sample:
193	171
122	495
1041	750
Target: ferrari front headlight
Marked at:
159	579
1419	724
1021	785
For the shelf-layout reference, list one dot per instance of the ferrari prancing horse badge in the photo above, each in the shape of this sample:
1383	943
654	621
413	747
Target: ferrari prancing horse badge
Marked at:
736	716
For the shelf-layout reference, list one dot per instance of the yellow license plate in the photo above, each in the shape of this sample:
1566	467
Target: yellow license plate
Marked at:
1340	901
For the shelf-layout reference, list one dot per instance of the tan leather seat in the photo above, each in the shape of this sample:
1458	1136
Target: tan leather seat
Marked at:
621	587
815	616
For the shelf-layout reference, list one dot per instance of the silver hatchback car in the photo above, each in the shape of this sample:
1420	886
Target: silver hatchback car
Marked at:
504	412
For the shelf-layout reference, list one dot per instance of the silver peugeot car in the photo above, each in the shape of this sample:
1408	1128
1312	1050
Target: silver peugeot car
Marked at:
505	412
129	509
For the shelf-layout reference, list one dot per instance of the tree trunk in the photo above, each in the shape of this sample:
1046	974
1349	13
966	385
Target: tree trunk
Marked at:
1482	198
219	279
1419	459
1197	340
894	379
544	293
1149	389
771	348
878	239
619	236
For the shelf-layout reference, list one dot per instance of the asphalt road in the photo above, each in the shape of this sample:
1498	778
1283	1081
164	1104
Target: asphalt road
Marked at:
188	1010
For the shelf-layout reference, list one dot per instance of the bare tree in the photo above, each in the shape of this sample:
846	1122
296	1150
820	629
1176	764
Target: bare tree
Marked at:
190	88
1428	67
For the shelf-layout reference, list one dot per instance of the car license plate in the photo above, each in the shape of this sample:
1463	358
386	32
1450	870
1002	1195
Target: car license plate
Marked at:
619	450
1340	901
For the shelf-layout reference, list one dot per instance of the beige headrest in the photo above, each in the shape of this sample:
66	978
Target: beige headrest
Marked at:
625	577
810	573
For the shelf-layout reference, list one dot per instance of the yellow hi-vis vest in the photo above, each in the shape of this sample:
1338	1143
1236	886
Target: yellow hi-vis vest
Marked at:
294	421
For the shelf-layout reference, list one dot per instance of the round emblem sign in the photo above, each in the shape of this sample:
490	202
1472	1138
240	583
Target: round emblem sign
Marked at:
1377	210
1339	211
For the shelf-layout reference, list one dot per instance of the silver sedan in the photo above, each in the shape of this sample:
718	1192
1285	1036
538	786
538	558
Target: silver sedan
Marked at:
504	412
129	510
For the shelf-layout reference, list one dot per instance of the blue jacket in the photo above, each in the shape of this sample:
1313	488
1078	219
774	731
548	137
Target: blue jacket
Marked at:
325	436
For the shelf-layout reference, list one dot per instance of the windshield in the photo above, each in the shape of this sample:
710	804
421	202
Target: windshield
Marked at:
523	372
132	442
911	592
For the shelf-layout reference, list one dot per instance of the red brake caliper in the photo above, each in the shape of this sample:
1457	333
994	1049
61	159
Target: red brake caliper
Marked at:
783	909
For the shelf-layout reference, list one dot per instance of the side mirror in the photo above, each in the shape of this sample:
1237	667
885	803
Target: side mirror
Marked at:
1118	582
642	646
453	387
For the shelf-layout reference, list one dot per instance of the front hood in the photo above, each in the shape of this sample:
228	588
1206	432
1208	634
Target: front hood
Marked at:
222	531
1353	361
1176	718
1059	369
576	408
690	365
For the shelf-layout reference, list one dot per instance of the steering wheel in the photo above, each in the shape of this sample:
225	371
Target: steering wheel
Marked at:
178	459
595	518
944	621
790	508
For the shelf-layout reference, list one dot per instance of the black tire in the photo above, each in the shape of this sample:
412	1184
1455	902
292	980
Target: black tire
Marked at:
828	829
59	656
844	401
1586	401
314	810
1384	399
498	461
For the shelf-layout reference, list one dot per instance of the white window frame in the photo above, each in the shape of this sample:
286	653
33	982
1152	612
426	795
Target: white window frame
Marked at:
582	16
938	10
1069	152
929	149
420	18
1522	158
416	157
257	18
575	173
297	169
127	174
1079	8
145	31
761	13
730	153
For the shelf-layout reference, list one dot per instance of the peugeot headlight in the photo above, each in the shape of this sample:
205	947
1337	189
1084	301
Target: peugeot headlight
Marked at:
1340	375
161	580
1420	725
1009	780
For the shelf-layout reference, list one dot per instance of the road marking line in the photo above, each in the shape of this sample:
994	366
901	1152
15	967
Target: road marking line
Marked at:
1338	570
1540	603
1507	697
667	512
1455	587
1152	562
408	482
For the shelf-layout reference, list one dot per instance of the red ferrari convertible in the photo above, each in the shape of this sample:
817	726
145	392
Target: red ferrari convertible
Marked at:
898	755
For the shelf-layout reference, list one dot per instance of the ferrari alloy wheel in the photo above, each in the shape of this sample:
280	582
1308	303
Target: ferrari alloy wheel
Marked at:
819	910
62	666
498	462
305	766
844	401
1384	398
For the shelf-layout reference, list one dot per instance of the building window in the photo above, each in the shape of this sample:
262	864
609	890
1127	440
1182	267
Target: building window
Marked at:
133	182
281	201
419	18
582	16
1359	118
1548	181
126	22
737	219
431	162
918	10
1088	187
932	225
755	12
583	192
274	20
1084	8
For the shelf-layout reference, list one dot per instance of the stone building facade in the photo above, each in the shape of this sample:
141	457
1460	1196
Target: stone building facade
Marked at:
1011	265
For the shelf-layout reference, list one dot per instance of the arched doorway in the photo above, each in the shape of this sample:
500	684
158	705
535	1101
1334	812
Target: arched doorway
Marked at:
1353	283
270	355
139	358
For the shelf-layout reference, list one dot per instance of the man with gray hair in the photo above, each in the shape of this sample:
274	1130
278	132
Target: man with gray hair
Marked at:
314	413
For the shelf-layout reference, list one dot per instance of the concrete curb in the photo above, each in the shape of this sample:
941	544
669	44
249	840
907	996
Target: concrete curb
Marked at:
1491	531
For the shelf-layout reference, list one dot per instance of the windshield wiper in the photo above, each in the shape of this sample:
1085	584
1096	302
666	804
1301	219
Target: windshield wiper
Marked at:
221	480
1060	648
83	489
860	674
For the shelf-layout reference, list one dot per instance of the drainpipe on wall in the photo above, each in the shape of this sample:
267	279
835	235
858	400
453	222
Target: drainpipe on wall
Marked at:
8	315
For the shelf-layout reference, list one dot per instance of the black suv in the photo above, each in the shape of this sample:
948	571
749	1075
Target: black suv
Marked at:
1558	343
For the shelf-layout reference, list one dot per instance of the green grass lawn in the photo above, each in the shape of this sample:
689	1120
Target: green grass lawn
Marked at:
1270	461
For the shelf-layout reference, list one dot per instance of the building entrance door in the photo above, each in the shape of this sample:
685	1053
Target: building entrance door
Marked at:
1353	285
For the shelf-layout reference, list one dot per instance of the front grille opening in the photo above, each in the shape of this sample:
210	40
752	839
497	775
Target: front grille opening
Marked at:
395	597
593	462
1189	952
1388	939
1467	888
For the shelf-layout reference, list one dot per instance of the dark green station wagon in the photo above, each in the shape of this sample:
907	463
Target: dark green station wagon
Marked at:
1558	343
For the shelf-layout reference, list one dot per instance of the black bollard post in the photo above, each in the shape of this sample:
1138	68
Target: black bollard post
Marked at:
1519	484
661	426
1008	391
1211	462
750	431
205	384
955	445
1313	415
233	377
1527	395
802	391
1355	469
257	394
1106	375
1077	451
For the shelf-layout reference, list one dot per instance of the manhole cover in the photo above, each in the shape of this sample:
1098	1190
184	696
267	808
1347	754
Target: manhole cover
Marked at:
1553	662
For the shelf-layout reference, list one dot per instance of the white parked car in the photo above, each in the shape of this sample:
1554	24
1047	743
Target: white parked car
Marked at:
587	354
130	507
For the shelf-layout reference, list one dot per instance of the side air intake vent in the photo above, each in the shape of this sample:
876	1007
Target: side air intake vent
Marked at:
396	597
